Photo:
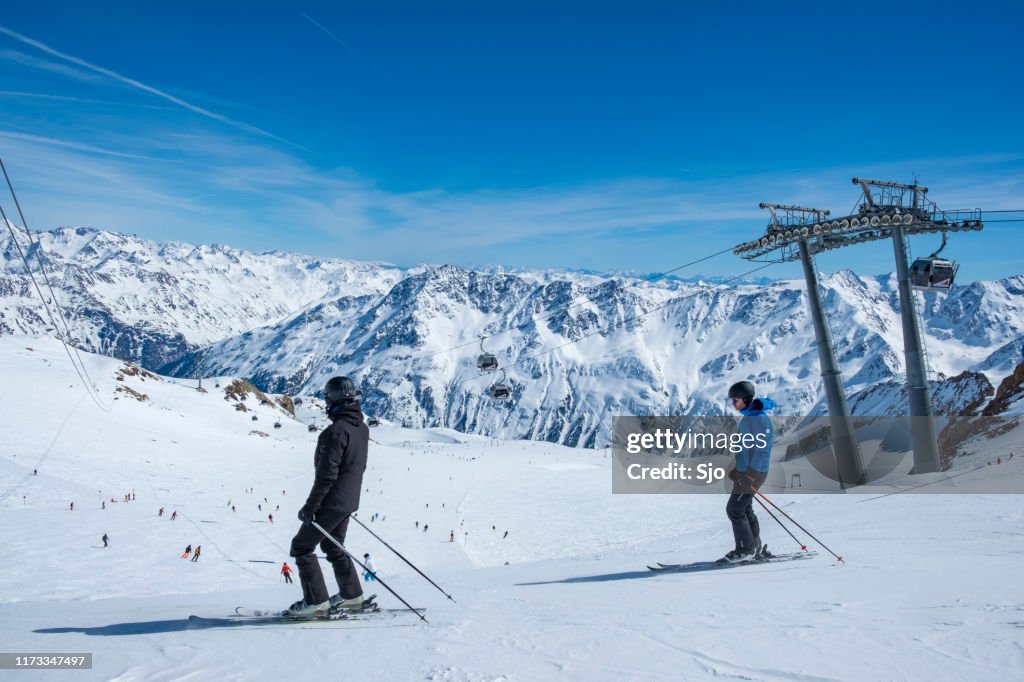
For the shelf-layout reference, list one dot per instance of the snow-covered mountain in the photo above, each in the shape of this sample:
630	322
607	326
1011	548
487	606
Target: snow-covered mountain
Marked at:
577	348
138	300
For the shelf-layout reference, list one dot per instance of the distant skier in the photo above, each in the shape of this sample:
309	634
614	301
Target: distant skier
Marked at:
505	535
286	571
187	552
339	462
270	517
105	540
103	504
451	537
371	569
195	557
425	526
751	470
174	515
72	508
161	512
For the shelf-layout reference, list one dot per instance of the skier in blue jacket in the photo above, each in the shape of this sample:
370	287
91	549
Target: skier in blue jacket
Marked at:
751	470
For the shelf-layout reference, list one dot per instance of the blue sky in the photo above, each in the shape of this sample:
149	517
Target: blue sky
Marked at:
606	136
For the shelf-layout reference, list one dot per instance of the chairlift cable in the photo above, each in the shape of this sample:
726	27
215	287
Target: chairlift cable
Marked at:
80	368
637	316
631	318
588	299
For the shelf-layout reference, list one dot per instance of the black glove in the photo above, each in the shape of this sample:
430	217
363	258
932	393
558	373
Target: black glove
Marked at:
745	480
306	516
733	475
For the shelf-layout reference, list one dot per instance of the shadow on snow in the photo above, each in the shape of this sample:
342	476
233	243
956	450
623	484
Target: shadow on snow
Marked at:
603	578
151	627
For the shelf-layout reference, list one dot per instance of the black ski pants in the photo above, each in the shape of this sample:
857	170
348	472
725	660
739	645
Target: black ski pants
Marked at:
314	589
746	529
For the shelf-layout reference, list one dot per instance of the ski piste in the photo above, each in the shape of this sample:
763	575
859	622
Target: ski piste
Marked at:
699	566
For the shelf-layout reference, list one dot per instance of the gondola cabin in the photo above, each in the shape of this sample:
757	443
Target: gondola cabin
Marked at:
373	421
499	391
932	274
487	362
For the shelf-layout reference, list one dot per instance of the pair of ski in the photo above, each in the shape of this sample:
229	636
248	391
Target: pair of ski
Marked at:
247	616
764	558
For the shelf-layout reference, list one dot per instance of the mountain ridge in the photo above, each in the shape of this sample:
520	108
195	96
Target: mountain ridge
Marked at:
576	349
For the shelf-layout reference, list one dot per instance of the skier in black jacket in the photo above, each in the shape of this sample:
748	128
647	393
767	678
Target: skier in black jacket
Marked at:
340	461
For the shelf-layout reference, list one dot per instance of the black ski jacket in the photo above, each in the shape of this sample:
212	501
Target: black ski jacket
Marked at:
340	461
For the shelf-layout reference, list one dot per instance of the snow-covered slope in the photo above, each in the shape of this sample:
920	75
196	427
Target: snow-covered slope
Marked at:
577	348
929	589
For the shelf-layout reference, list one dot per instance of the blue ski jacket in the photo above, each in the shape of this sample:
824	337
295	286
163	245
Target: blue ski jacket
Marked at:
756	423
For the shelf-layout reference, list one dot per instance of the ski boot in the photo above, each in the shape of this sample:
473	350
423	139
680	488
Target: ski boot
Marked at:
737	556
358	604
301	609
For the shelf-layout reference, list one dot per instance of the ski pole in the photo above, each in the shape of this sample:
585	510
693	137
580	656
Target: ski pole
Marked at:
798	525
802	545
402	557
363	566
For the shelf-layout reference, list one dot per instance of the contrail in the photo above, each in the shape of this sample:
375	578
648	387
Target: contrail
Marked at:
142	86
73	145
84	100
342	43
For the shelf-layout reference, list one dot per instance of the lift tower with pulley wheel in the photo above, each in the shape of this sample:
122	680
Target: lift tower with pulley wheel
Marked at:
798	222
887	210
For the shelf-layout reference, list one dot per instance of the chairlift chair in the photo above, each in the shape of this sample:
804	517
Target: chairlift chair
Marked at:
372	421
312	428
277	425
255	418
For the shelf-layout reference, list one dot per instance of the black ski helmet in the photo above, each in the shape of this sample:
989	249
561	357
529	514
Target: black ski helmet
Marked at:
742	389
340	390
